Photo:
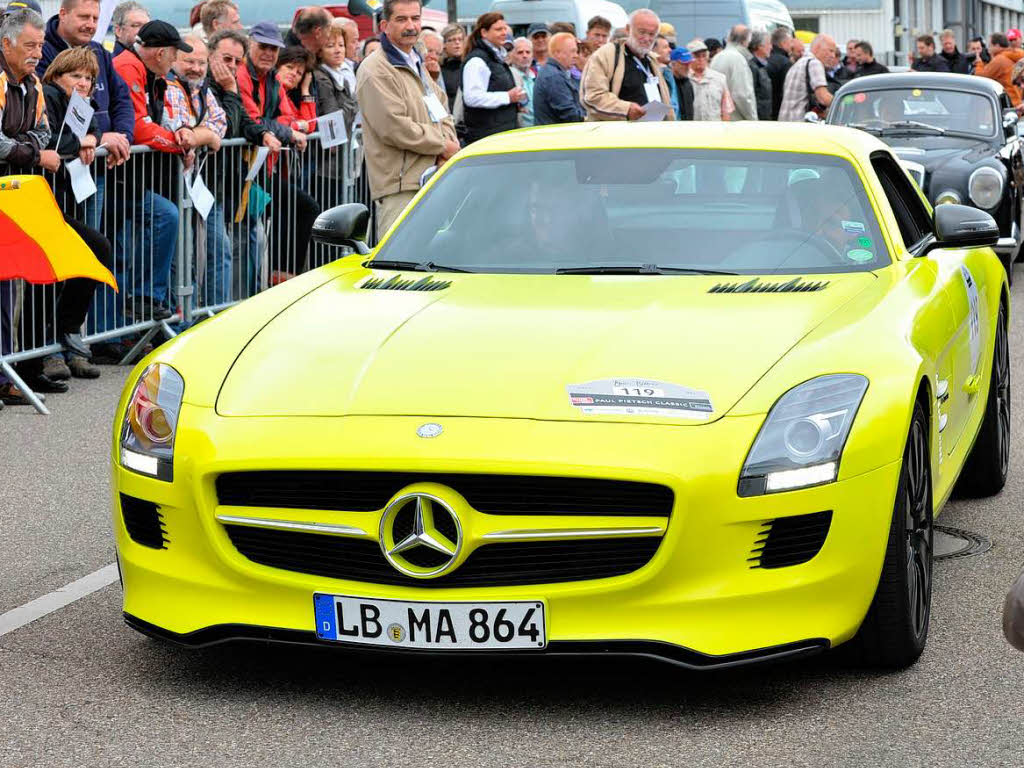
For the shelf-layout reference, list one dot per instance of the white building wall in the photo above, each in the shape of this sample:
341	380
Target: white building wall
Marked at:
872	26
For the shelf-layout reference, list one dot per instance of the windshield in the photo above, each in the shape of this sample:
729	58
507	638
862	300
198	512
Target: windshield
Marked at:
743	212
918	109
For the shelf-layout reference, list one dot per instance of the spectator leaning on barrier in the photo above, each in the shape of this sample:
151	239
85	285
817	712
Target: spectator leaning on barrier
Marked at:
73	70
127	19
261	94
555	99
336	78
298	104
519	59
622	77
404	130
599	29
955	60
310	29
733	63
927	60
489	92
682	89
1000	67
191	103
451	62
228	50
217	15
760	49
153	210
866	64
806	79
74	26
778	66
711	99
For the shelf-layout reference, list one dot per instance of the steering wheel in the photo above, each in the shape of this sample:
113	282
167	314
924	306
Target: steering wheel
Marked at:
823	246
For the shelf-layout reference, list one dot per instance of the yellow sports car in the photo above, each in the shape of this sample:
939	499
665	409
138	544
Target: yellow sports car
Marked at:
688	391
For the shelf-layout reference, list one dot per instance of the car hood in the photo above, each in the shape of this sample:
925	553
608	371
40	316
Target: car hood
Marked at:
935	152
517	346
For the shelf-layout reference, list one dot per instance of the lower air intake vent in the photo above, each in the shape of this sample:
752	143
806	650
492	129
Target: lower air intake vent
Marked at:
796	285
790	540
398	283
144	522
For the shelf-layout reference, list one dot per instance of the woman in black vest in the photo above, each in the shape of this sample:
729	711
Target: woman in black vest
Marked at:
489	93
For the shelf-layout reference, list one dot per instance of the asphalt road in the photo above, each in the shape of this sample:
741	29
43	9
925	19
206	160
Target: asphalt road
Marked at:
78	688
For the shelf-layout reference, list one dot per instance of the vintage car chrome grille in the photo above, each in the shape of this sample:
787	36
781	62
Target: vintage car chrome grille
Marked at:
491	565
359	491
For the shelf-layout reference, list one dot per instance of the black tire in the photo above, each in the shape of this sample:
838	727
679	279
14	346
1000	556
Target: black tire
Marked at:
1007	260
895	628
984	472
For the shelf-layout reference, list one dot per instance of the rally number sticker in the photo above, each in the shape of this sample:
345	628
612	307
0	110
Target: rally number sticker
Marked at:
640	397
974	316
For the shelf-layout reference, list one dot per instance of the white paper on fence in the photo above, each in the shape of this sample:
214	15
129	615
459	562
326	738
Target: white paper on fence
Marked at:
82	183
332	129
202	197
261	158
106	12
79	115
656	110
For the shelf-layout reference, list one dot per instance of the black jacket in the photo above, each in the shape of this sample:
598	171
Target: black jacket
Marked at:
871	68
481	122
240	125
932	64
684	91
451	73
69	145
762	88
957	62
778	66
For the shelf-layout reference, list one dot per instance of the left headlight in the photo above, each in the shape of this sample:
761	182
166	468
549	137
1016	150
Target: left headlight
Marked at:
986	187
801	442
150	422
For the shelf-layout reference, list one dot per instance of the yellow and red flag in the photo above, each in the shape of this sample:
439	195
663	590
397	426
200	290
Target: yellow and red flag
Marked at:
36	244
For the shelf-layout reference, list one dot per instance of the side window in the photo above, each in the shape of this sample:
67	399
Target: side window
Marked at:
912	217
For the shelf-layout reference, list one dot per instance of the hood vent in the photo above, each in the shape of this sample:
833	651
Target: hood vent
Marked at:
398	283
796	285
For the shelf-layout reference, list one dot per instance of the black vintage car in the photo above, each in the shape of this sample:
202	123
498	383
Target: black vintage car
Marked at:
955	134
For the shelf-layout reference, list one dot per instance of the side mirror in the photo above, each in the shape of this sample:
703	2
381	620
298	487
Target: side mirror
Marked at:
1010	120
343	225
961	226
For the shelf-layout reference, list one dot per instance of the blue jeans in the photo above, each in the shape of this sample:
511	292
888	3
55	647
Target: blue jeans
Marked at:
151	227
217	280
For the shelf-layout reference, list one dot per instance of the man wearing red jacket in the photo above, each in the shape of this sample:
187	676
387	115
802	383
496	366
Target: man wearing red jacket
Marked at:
153	216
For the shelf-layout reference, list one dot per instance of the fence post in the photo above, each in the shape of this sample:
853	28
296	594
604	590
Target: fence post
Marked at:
185	251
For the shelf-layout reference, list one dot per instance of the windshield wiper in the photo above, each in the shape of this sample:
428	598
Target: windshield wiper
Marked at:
639	269
865	127
904	124
415	266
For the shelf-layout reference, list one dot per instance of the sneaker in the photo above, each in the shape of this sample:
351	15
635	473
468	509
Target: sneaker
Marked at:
81	368
43	383
55	368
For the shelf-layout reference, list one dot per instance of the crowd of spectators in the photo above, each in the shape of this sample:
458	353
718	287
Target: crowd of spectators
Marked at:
417	95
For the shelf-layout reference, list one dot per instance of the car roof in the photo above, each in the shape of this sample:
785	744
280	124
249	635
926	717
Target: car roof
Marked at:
972	83
769	136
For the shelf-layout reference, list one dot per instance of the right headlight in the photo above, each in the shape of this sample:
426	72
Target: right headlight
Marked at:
801	442
986	187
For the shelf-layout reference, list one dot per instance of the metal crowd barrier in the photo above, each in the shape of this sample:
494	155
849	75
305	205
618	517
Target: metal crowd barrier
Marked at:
172	266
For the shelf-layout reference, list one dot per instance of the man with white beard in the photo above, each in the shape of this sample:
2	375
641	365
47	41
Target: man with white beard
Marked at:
190	102
622	77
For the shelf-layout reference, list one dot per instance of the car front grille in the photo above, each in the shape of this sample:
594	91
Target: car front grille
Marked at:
492	565
143	521
789	541
361	491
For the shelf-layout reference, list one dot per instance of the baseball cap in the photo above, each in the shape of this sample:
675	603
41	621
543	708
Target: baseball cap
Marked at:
666	29
160	34
266	32
1013	34
23	5
695	46
682	55
536	29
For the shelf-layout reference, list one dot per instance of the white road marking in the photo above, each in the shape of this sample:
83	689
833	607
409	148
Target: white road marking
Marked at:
16	618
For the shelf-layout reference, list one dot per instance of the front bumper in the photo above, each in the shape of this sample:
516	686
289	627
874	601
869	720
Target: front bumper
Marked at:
697	602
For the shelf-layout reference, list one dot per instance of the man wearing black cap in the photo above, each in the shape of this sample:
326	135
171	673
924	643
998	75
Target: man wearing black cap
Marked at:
538	35
144	67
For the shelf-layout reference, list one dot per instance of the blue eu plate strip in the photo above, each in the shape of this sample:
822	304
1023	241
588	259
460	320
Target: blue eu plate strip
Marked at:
326	617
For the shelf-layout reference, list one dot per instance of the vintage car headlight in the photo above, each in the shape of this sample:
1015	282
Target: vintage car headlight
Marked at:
986	187
150	422
948	196
802	440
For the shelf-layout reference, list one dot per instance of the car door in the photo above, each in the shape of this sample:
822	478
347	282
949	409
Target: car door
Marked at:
916	229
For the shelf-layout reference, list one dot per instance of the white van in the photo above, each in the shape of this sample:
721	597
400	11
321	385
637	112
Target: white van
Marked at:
713	18
520	14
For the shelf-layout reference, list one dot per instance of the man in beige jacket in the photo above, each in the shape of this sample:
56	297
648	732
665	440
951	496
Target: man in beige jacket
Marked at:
406	125
622	77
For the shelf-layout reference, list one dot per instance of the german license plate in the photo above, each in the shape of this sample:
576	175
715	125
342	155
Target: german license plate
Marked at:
433	626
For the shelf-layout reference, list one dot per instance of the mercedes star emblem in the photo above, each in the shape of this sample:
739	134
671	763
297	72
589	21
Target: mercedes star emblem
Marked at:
430	430
420	535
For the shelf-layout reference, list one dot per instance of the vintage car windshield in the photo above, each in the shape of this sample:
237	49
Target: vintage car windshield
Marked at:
958	112
742	212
